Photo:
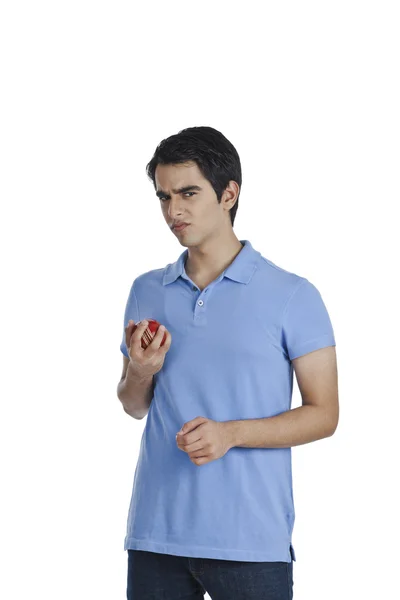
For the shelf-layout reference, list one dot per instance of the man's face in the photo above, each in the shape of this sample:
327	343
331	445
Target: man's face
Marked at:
197	206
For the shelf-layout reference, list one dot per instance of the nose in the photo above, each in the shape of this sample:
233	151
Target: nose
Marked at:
174	207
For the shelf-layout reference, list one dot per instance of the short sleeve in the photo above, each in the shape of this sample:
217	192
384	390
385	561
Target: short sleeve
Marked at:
306	325
131	312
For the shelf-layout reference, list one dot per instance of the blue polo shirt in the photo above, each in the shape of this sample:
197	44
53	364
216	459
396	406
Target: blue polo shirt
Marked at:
230	358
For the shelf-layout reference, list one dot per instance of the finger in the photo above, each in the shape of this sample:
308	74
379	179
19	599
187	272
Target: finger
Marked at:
199	454
194	424
200	461
128	332
130	324
158	338
194	437
154	346
136	339
167	344
194	447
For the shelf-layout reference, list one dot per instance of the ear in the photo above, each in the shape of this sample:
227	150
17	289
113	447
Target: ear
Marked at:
230	195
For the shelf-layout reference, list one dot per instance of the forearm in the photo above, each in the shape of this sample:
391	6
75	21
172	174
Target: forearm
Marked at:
294	427
135	394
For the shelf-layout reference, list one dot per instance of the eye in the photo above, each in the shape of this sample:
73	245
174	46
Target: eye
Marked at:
162	198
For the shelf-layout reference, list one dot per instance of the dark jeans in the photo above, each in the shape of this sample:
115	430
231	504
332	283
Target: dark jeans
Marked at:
154	576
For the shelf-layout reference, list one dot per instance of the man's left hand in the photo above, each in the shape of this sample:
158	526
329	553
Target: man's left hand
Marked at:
204	440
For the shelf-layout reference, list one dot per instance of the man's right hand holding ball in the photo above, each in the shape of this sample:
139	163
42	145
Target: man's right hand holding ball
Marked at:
146	362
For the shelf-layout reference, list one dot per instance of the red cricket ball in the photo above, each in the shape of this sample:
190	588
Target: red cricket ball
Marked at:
150	332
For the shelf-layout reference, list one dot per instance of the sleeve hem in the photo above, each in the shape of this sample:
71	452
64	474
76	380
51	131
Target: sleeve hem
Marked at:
123	351
315	344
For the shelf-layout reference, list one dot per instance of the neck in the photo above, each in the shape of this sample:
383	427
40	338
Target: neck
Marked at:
213	256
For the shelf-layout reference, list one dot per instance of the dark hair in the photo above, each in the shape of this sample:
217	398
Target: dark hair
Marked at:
215	156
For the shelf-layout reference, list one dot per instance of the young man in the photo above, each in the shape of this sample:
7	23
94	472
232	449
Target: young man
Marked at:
212	505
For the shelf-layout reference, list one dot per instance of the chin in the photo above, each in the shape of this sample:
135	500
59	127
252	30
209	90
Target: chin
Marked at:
187	242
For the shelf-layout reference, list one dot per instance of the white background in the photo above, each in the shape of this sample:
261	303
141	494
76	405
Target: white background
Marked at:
308	92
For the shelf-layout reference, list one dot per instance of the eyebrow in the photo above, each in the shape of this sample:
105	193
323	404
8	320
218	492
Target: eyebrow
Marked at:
181	190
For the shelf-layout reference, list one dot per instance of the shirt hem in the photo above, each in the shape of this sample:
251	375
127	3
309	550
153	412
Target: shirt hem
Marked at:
285	552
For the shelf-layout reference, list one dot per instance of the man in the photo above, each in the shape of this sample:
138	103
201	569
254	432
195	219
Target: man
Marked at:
212	505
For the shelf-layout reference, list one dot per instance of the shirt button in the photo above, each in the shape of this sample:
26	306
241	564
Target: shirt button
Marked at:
200	303
194	288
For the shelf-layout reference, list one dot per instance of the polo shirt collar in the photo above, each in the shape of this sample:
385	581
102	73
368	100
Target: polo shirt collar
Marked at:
241	269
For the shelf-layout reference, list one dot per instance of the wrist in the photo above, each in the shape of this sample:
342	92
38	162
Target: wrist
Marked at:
138	378
232	433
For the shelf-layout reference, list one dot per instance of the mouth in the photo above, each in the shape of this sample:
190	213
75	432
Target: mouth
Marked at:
181	227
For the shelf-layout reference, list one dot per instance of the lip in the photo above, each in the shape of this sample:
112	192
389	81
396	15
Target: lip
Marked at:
181	227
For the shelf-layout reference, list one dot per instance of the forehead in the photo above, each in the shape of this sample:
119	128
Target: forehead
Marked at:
178	175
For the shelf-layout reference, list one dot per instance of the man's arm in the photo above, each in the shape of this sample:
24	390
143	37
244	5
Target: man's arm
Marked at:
135	394
317	418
